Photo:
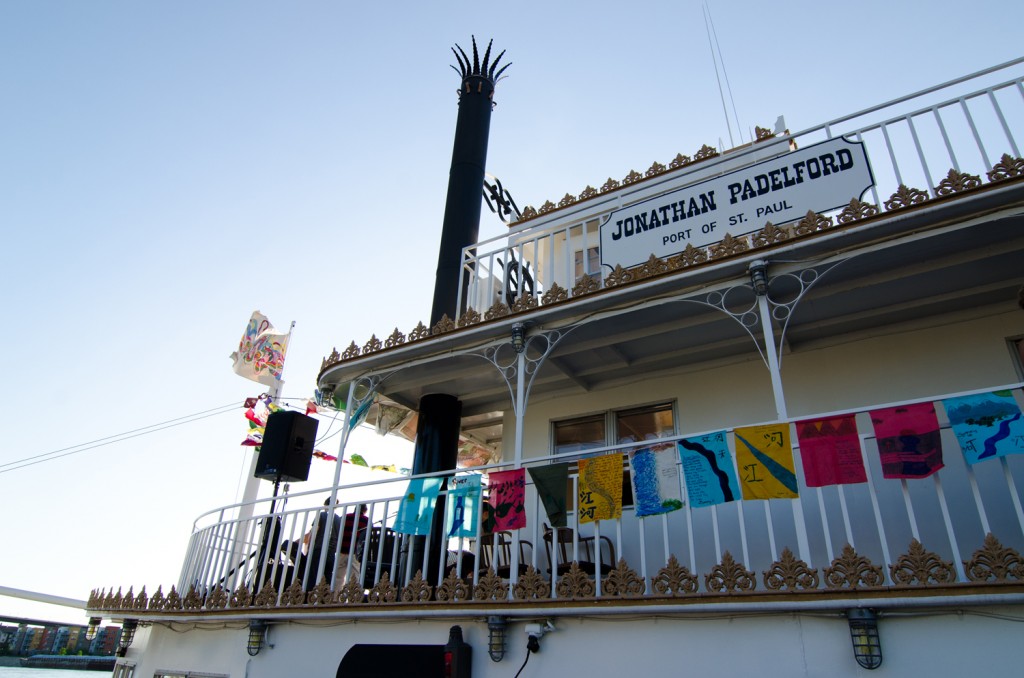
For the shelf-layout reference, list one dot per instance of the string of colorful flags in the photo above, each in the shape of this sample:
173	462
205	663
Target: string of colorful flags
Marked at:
986	426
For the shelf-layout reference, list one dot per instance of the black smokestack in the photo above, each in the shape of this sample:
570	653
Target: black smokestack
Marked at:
440	414
466	176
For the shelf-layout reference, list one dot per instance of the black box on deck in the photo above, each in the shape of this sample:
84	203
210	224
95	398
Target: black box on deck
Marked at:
287	447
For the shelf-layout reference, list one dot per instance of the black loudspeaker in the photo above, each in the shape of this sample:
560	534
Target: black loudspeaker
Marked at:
287	447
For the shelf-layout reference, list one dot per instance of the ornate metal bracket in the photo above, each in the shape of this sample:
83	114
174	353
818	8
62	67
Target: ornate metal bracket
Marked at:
535	350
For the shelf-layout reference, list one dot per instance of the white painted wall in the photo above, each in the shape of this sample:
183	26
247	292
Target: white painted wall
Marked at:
926	643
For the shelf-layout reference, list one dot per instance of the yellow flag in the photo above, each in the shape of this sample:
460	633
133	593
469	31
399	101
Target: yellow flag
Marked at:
600	489
765	460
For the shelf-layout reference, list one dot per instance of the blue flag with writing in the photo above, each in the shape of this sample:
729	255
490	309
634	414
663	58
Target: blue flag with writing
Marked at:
709	470
987	425
417	506
462	506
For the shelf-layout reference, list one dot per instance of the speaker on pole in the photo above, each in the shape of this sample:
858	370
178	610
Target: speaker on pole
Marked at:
287	447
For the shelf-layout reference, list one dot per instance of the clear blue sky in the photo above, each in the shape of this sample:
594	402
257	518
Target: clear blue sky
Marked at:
168	167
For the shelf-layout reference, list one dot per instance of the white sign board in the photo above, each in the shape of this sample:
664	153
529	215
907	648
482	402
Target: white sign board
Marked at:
818	178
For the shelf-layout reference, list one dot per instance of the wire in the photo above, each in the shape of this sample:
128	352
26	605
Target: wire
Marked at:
119	437
528	653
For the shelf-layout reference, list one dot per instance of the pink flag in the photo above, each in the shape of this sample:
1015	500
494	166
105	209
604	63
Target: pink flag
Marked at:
830	451
507	491
908	440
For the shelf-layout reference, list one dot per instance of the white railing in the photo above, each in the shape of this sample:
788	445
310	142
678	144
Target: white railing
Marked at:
950	513
965	124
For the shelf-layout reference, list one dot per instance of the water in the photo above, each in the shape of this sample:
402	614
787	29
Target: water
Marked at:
19	672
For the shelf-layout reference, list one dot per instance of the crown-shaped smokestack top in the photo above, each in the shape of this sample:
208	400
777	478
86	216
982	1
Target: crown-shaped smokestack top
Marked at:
485	69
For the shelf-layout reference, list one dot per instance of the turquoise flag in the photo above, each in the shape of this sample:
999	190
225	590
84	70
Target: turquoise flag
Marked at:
462	506
417	506
709	470
987	425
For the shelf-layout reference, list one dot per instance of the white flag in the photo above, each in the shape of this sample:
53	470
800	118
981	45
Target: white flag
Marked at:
260	354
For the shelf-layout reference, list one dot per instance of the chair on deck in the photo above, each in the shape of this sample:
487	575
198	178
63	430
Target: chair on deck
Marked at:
496	553
374	554
589	550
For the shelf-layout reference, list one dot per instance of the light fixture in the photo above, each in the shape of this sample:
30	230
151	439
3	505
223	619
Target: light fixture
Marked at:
257	636
93	627
867	647
496	637
759	277
519	337
127	636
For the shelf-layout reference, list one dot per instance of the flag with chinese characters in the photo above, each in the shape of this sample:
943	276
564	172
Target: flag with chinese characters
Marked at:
765	461
260	354
600	488
552	482
830	451
708	469
416	509
461	506
908	440
655	478
507	495
987	425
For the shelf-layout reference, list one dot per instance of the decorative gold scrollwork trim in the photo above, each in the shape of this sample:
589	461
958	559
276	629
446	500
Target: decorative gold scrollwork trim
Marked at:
173	601
588	192
905	197
442	326
575	583
610	185
395	339
620	276
240	597
532	585
812	223
729	576
851	570
567	200
706	152
373	345
321	593
158	601
919	567
470	317
418	590
419	332
490	587
384	591
351	593
1008	167
548	206
994	562
674	579
497	310
554	294
957	182
653	266
351	352
679	161
217	600
585	285
729	246
453	588
632	178
688	257
856	211
791	573
293	596
655	169
770	234
524	302
623	582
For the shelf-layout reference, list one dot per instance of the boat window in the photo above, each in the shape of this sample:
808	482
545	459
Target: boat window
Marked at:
644	423
582	433
124	671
